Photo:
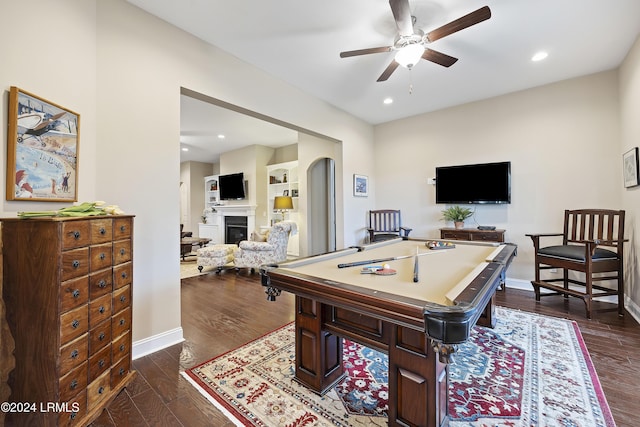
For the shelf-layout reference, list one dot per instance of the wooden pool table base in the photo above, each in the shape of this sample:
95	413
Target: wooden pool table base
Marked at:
419	336
418	379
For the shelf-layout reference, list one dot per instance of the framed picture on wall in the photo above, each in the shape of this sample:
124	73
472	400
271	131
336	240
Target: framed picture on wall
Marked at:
630	167
360	185
42	149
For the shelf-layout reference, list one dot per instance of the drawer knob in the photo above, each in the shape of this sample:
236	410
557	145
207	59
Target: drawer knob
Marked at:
76	235
123	228
75	354
102	283
73	384
122	371
124	275
101	363
75	263
76	293
121	347
101	390
123	298
75	323
102	231
102	256
101	309
122	322
122	251
73	415
101	336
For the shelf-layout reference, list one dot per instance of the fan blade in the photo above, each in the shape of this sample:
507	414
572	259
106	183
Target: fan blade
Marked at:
439	58
365	51
390	69
402	15
466	21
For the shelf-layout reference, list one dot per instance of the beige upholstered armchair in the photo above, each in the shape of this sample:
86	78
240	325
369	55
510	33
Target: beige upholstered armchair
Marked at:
252	254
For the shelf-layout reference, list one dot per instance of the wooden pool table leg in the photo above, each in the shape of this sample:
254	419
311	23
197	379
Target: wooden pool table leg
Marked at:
417	381
488	316
318	352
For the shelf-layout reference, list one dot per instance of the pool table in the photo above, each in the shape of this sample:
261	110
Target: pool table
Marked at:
416	315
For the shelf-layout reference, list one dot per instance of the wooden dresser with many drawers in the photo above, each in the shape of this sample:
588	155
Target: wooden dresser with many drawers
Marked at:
67	287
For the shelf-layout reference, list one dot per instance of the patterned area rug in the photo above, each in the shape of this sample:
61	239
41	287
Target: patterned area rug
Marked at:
530	370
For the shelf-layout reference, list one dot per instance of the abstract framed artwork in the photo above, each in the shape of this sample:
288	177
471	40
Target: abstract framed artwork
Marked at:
42	149
630	167
360	185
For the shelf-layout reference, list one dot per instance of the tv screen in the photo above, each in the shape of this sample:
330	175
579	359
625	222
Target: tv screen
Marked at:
232	186
469	184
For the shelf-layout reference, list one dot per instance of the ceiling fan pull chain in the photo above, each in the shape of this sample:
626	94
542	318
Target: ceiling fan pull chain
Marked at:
410	82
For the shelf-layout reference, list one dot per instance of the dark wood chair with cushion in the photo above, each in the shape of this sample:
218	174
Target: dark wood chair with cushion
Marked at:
592	246
386	224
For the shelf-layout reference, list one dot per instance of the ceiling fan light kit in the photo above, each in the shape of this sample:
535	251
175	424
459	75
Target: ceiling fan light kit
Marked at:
409	55
411	43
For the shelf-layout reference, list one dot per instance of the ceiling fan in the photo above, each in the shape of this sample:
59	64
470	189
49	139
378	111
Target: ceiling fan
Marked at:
411	44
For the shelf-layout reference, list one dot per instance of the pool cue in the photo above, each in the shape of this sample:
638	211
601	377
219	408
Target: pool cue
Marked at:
376	261
415	267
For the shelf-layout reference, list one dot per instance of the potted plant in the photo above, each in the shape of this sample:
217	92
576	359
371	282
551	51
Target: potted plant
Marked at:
457	214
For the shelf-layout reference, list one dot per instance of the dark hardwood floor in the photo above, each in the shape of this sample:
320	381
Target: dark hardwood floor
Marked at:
222	312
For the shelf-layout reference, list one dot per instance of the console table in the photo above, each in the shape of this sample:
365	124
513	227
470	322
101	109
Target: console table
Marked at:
472	234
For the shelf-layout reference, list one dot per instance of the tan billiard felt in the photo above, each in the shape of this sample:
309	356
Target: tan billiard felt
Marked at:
442	274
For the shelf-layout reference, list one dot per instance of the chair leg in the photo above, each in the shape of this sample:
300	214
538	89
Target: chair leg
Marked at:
589	291
565	276
587	302
536	290
620	292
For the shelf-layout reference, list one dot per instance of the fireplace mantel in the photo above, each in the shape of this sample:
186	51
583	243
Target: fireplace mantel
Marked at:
235	210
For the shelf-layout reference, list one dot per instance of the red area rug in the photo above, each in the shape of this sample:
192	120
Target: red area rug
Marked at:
530	370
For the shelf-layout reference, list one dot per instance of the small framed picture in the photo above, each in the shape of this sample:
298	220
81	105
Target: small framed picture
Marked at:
294	192
360	185
630	167
285	193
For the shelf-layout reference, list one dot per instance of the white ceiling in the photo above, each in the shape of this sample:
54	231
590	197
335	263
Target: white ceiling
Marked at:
202	122
299	42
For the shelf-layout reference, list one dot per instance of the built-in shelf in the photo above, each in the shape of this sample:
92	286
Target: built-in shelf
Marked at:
283	181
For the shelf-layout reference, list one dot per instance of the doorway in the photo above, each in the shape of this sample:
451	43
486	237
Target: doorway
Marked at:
321	217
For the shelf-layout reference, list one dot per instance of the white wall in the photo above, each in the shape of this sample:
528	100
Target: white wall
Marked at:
67	79
123	74
630	137
192	178
122	70
143	62
562	140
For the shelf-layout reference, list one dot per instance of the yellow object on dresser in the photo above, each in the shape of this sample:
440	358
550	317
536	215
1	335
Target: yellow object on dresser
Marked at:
67	286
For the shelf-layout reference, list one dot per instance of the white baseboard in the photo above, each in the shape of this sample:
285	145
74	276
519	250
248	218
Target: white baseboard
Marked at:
156	343
524	285
632	308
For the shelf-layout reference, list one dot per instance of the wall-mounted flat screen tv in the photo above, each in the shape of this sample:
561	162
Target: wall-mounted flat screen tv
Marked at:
232	186
469	184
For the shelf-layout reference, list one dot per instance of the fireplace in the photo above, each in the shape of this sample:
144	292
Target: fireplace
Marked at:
235	229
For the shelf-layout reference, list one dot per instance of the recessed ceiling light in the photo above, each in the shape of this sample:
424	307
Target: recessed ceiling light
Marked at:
539	56
388	101
221	136
185	149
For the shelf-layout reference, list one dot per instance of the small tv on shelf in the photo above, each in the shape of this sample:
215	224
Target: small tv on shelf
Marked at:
488	183
232	186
